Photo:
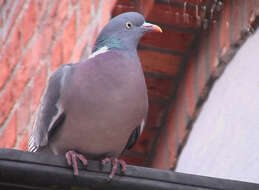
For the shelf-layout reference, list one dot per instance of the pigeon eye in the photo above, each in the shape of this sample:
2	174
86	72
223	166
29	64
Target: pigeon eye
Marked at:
128	25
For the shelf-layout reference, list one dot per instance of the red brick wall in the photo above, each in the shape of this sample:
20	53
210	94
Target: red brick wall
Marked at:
35	38
215	47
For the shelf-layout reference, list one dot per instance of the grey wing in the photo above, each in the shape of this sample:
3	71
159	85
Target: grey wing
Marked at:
50	114
134	135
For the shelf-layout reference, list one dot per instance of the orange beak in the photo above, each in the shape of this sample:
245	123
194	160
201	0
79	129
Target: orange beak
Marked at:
151	27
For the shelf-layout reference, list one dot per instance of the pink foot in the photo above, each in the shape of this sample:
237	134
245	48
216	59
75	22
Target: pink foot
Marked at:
115	163
72	157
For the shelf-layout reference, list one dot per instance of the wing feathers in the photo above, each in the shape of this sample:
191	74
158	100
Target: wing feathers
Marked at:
50	110
134	135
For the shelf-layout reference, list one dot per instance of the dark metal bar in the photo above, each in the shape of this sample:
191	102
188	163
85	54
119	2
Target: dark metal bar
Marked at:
24	170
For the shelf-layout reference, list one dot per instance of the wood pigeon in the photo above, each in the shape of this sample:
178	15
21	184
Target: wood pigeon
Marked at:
97	108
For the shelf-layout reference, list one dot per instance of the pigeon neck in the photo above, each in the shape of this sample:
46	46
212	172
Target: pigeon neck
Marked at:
108	42
113	43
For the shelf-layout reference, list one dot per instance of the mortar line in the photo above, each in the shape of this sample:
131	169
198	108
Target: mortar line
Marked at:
24	52
17	21
7	20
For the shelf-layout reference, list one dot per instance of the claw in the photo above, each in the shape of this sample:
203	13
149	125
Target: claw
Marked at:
72	157
123	165
115	162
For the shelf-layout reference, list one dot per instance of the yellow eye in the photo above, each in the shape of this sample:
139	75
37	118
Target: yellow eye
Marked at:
128	25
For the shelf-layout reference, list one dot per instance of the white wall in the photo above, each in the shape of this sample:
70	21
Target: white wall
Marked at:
224	141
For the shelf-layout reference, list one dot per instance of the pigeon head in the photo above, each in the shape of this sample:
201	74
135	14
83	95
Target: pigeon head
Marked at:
124	31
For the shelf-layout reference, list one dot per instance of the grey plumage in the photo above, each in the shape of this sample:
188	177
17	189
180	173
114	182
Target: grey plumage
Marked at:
97	107
50	113
110	97
134	135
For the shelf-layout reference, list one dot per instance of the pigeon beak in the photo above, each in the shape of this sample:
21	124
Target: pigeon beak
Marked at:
151	27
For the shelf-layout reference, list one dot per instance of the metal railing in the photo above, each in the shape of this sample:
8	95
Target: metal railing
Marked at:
24	170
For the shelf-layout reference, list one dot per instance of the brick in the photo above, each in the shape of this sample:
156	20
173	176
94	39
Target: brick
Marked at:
54	9
86	44
155	113
106	12
85	15
171	137
96	4
190	2
69	38
179	116
250	12
9	5
47	32
56	56
2	2
94	36
213	47
24	109
1	25
41	8
29	20
189	88
236	20
46	37
124	3
5	71
13	90
8	136
145	141
134	159
169	39
105	16
74	2
13	49
224	28
79	48
159	88
23	145
38	86
172	15
7	101
121	7
16	85
106	5
161	157
17	11
201	71
146	6
21	78
59	13
6	16
31	59
1	41
110	4
155	62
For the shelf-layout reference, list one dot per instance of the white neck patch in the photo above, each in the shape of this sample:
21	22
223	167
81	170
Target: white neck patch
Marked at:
99	51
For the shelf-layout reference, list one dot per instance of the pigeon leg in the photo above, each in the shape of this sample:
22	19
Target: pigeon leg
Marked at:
115	163
72	158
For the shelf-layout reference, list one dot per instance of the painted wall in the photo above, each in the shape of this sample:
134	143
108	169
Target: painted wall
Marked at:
224	140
